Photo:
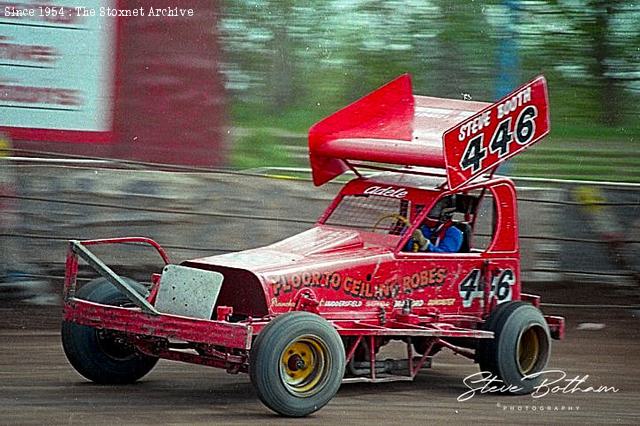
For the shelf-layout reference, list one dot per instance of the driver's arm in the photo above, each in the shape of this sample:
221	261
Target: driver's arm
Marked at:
451	242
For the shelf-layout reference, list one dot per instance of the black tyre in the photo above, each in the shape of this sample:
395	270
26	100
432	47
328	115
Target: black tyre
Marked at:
520	349
297	364
100	355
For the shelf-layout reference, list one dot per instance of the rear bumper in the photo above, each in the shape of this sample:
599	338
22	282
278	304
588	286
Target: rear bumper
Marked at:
165	326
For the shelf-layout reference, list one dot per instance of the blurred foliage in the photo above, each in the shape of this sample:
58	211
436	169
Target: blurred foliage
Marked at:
288	63
255	149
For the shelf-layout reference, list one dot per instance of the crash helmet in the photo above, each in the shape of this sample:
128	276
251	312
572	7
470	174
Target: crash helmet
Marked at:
442	211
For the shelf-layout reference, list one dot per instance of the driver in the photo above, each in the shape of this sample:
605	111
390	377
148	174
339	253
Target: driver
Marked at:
436	234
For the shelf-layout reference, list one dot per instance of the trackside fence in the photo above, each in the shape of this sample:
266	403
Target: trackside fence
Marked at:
570	230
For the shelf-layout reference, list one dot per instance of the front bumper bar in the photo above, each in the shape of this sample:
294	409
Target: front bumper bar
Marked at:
144	320
134	321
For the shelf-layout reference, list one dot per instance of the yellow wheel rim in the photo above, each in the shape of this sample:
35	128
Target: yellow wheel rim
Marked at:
304	365
528	351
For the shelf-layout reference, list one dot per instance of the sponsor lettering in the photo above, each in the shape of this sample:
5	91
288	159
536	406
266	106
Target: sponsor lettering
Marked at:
426	278
389	191
275	303
27	52
40	95
414	303
377	303
331	280
359	288
441	302
341	303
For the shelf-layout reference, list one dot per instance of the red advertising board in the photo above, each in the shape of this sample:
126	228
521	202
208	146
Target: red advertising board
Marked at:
114	79
497	133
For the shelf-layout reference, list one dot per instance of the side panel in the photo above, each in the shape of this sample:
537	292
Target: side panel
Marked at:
357	288
432	281
454	283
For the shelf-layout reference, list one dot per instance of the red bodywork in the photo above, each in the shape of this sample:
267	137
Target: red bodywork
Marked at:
359	276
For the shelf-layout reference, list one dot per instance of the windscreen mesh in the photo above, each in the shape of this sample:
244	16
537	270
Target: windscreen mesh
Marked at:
371	213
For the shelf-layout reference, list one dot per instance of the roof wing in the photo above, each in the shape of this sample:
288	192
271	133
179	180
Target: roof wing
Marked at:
385	114
393	126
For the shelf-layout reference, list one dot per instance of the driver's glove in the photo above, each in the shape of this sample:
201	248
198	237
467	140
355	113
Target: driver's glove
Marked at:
419	238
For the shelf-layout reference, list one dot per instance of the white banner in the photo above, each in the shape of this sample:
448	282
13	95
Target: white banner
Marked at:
56	65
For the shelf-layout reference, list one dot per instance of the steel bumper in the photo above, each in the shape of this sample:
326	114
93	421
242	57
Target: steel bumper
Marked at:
165	326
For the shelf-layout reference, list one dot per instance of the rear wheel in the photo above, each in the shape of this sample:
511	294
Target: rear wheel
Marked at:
297	364
103	356
520	348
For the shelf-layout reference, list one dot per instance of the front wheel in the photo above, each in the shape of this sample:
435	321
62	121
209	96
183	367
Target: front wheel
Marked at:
101	355
520	348
297	364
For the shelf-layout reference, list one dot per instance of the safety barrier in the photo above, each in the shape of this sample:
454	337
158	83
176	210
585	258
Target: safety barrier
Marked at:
568	229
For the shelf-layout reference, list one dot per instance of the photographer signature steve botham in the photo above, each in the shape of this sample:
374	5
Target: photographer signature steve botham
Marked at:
553	382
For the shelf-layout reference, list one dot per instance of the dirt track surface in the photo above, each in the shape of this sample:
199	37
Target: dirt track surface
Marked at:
37	385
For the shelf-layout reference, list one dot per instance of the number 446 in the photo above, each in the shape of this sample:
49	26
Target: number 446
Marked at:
476	152
472	286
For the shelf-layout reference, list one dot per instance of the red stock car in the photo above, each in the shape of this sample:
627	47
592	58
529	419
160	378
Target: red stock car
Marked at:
306	314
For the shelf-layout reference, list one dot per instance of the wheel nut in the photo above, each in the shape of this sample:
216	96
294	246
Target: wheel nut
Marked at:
295	363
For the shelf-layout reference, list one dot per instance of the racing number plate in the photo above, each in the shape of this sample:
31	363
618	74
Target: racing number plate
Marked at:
496	133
